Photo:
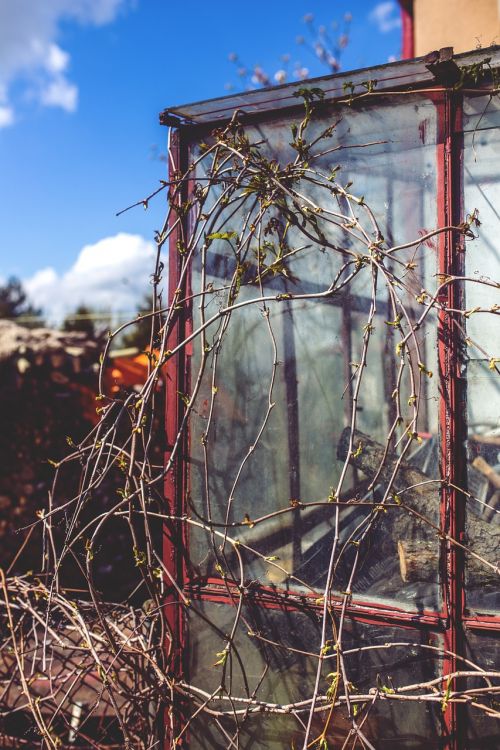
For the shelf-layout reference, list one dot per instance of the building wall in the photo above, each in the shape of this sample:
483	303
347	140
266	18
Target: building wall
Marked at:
461	24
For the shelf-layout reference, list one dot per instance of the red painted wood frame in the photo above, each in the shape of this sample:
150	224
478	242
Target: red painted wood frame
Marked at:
177	376
453	617
449	192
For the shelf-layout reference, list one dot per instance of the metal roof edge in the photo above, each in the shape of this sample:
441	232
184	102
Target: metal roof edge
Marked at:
388	76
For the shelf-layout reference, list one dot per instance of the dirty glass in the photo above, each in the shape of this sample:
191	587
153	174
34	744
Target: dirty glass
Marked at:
483	649
271	665
481	367
302	356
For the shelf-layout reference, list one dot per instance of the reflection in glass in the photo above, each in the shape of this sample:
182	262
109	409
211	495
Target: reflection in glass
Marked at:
249	459
482	266
263	665
482	729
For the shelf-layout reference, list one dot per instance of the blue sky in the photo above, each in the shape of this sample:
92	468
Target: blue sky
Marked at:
81	86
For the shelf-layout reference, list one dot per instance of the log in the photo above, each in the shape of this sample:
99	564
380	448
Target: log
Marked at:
492	512
482	537
488	471
486	439
418	561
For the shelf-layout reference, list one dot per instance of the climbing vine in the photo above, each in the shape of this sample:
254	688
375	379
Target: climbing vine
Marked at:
250	565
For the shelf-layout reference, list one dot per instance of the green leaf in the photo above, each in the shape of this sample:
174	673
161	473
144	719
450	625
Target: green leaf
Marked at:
139	557
446	696
309	94
358	451
222	236
222	658
387	690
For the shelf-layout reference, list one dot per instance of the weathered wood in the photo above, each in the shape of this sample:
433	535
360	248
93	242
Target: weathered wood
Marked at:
418	561
482	537
486	439
488	471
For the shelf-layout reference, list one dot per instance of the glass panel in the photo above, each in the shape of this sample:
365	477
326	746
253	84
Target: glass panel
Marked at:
274	385
214	734
264	668
482	265
482	729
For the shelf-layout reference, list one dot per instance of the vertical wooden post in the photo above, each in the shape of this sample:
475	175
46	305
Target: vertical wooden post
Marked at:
452	458
174	533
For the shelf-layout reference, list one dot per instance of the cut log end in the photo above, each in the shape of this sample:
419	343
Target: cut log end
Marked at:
418	560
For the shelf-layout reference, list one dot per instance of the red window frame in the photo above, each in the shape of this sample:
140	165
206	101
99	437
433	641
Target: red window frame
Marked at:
453	617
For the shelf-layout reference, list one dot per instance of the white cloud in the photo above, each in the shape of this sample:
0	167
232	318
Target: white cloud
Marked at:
386	16
60	93
6	112
29	50
57	59
6	116
111	275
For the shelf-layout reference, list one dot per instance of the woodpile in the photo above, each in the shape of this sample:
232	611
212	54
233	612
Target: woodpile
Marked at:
49	381
406	535
61	352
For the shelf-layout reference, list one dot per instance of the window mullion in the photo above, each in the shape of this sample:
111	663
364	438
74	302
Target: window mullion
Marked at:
451	409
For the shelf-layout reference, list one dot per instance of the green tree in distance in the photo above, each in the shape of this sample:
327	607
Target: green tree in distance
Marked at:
82	321
14	303
139	334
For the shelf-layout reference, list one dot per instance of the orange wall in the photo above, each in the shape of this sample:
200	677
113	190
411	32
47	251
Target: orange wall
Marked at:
461	24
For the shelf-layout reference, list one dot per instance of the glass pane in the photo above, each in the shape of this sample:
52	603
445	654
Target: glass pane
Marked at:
274	386
276	667
482	729
482	265
215	734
